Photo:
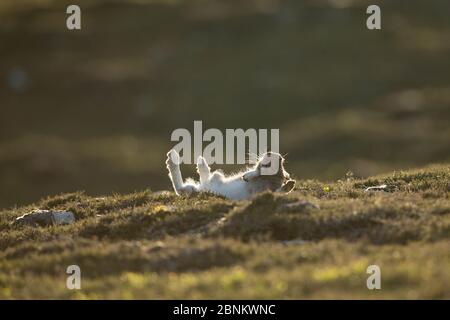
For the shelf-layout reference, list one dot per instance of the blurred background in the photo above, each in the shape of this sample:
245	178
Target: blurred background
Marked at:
94	109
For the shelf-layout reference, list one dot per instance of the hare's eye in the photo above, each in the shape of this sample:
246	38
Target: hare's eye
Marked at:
266	165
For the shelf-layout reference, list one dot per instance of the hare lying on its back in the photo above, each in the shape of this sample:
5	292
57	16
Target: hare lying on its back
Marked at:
239	186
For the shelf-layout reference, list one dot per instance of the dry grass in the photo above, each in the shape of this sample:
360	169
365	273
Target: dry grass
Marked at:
157	245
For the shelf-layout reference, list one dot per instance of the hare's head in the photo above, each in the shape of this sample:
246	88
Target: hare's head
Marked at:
270	168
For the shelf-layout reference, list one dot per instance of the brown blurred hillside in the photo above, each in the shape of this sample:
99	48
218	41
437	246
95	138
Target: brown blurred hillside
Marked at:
94	109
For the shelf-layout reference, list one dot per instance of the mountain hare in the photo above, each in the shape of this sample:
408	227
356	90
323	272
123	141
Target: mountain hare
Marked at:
267	174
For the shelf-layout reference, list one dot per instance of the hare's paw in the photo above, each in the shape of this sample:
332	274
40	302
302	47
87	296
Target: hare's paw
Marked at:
173	159
201	161
202	165
203	169
288	186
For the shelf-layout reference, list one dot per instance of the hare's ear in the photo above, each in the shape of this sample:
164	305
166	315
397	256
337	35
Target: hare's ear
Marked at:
249	175
288	186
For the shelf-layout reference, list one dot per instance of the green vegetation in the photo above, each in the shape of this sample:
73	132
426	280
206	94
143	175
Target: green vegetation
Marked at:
93	110
158	245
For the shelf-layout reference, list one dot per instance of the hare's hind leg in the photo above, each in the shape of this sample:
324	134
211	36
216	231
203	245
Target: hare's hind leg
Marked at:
173	165
203	170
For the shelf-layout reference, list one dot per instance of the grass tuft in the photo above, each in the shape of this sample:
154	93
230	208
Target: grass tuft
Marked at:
315	242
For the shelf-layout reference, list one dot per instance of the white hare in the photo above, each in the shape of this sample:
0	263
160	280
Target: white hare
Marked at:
242	185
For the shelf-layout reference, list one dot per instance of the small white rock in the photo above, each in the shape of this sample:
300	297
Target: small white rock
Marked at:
46	218
301	205
382	187
63	217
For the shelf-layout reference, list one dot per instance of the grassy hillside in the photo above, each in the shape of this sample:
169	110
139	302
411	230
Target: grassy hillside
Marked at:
157	245
94	109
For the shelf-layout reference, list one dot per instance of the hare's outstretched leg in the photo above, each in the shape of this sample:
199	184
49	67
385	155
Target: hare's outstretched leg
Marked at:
203	170
173	165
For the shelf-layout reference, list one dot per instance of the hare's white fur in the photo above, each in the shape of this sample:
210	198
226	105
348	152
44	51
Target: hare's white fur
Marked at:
238	186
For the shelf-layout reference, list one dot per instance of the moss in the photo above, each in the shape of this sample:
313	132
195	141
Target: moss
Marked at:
307	244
